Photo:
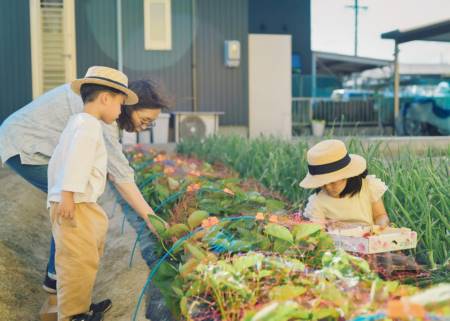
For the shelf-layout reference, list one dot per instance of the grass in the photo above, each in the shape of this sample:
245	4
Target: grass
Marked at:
419	185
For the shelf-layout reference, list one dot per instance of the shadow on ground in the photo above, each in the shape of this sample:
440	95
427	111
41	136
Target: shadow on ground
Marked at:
24	246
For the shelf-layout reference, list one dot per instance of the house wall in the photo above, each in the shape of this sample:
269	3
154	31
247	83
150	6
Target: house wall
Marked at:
172	68
15	56
218	88
96	34
285	17
221	88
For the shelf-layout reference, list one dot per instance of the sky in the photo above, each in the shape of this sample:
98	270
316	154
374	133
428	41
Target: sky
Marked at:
333	28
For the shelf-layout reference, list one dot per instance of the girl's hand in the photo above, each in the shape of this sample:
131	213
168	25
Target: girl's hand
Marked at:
382	221
66	207
379	214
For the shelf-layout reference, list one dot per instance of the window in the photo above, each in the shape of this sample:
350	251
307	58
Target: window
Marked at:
157	24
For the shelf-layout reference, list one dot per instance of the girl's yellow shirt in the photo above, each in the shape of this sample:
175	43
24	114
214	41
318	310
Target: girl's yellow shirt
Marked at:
356	209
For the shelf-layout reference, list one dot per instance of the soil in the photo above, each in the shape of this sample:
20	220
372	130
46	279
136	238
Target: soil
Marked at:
24	246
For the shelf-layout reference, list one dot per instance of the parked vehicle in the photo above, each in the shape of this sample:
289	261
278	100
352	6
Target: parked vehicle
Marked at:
351	94
428	115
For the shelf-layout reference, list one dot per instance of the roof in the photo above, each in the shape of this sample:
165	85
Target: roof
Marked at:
342	65
425	69
439	31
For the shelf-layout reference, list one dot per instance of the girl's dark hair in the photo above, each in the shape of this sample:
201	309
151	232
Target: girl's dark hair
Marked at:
89	92
150	97
353	185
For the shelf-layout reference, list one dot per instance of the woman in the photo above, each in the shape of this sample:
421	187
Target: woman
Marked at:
29	136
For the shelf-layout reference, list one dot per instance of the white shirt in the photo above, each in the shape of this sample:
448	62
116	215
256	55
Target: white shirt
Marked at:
349	209
79	161
33	132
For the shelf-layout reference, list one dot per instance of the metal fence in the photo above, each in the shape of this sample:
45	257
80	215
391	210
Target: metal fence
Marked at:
357	113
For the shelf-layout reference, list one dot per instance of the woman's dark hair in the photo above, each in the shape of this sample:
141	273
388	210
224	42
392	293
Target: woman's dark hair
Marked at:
89	92
353	185
150	95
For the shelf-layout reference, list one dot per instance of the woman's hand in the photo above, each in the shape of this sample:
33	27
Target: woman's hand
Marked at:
66	207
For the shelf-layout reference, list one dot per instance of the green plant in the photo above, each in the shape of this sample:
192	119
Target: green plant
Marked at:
418	184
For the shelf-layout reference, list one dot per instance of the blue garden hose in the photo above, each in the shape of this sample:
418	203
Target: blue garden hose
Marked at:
371	317
169	199
143	165
379	316
163	203
170	251
209	189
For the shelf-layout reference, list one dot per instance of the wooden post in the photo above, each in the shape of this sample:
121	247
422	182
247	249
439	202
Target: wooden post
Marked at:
313	75
396	86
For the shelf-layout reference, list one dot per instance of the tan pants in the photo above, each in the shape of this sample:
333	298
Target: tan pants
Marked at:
79	245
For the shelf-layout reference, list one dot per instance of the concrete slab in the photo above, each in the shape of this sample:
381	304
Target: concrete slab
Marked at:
417	144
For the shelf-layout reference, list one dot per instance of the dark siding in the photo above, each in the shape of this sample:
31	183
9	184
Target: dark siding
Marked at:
15	56
96	33
285	17
218	88
171	68
221	88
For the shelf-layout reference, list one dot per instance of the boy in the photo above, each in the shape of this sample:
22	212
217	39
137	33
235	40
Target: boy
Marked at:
76	178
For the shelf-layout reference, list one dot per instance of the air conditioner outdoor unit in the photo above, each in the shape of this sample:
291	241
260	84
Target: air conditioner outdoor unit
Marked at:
196	124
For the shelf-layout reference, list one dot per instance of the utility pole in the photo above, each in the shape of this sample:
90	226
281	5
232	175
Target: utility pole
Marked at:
357	7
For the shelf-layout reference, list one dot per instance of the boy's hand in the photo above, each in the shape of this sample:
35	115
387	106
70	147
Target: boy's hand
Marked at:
66	207
151	227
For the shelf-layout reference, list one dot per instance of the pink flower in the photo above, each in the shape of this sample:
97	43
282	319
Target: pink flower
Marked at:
210	221
228	191
169	170
361	247
213	220
160	158
194	173
259	216
193	187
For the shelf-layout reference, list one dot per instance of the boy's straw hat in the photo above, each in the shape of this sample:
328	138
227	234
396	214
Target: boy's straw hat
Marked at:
329	161
108	77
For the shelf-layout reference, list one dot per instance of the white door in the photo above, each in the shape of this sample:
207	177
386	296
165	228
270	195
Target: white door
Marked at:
270	95
53	53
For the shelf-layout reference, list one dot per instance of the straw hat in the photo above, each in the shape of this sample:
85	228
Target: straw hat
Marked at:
108	77
329	161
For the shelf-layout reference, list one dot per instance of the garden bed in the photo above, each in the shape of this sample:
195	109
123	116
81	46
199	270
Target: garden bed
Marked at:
234	250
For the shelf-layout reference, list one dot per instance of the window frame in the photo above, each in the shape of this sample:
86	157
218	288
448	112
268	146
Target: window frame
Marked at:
151	44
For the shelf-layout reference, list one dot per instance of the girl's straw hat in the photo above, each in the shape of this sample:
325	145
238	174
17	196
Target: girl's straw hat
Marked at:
108	77
329	161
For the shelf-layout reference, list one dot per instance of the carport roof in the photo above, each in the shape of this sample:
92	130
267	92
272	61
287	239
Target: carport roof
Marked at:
343	65
439	31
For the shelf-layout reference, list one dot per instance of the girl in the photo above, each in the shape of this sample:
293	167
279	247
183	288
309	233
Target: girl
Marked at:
345	194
